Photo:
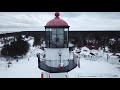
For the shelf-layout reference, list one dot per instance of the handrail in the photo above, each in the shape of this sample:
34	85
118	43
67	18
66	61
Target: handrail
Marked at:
53	66
57	60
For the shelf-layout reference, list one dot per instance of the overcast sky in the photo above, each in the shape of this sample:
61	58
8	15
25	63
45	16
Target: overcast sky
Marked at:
76	20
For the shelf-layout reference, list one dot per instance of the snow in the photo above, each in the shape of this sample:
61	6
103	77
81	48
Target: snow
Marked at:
94	51
106	49
114	61
27	67
85	51
22	69
94	69
71	45
59	75
98	68
1	45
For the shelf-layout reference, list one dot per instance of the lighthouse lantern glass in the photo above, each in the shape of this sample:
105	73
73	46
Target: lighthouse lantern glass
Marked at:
57	37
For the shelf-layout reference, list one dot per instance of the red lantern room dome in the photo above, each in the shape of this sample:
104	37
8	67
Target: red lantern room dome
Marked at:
57	22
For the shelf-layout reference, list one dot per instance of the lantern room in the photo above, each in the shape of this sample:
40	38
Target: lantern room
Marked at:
56	55
56	33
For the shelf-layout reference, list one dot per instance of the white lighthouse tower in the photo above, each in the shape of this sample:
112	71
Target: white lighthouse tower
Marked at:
57	57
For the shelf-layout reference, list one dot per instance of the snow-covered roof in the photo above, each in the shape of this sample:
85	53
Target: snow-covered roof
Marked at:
94	51
85	50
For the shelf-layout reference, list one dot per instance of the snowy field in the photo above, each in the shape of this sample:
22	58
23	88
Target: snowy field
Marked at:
27	67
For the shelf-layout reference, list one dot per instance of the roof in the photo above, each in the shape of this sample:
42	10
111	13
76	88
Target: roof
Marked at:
85	48
57	22
85	51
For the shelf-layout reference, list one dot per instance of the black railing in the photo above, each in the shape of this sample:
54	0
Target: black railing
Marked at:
56	63
53	66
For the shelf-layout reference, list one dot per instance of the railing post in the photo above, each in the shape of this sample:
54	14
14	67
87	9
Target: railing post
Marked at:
49	75
38	55
42	75
107	57
50	64
79	61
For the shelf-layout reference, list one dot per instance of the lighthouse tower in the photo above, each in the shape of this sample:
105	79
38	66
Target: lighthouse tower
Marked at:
57	57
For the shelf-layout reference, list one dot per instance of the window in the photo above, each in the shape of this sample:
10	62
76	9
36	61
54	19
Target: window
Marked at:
53	37
60	31
60	37
57	37
53	31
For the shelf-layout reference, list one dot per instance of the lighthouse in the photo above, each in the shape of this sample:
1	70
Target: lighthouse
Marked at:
57	56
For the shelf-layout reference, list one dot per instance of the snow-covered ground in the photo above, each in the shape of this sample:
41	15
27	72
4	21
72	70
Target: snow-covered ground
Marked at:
27	67
94	69
21	69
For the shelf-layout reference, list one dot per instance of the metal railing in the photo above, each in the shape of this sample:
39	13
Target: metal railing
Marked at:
53	66
56	63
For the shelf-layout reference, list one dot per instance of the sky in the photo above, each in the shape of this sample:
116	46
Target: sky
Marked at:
78	21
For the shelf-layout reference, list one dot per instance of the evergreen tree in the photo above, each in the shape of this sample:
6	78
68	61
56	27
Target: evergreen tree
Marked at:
20	47
36	40
16	48
5	50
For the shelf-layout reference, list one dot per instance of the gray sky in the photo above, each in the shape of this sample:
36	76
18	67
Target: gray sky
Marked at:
76	20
